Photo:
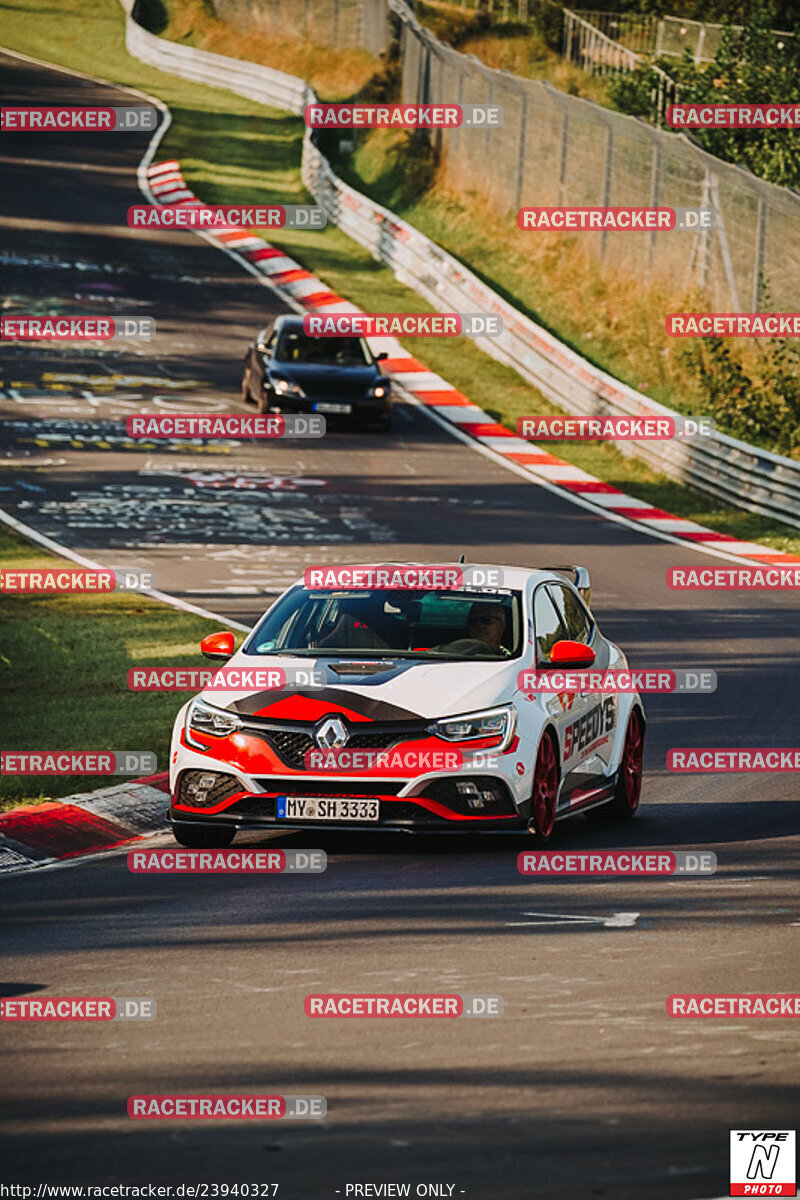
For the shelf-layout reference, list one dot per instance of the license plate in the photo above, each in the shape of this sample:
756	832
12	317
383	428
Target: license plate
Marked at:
302	808
323	406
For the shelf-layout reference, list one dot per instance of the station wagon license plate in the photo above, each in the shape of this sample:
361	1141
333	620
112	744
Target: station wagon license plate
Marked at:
323	407
302	808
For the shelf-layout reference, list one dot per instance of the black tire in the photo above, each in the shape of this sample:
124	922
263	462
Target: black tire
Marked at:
627	794
385	426
202	837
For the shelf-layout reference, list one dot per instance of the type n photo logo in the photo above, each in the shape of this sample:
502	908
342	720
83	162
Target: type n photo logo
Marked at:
763	1162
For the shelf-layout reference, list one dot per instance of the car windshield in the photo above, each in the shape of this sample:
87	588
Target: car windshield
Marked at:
294	346
424	624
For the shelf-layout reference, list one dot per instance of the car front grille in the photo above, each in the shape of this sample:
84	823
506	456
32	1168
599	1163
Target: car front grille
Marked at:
292	744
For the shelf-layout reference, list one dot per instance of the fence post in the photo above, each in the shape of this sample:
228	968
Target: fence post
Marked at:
523	123
655	188
723	244
607	184
562	167
758	266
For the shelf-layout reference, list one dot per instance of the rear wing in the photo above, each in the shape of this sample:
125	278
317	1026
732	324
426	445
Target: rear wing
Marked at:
583	583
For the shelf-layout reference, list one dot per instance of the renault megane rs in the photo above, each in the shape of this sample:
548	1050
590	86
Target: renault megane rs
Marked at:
401	709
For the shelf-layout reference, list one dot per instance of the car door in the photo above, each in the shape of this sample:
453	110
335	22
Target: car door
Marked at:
588	745
565	709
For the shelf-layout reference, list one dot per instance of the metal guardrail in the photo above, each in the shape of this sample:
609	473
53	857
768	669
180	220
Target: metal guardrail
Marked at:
734	471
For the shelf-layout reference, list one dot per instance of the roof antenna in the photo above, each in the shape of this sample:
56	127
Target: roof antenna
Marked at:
461	558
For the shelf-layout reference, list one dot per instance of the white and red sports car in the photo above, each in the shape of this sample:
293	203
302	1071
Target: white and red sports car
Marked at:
401	709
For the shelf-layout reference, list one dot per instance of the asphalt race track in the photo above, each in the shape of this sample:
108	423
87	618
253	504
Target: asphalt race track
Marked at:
584	1087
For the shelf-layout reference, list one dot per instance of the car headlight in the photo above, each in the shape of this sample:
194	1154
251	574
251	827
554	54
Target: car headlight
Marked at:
284	387
379	390
492	723
207	721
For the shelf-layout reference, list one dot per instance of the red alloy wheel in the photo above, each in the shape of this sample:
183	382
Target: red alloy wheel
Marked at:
545	790
631	765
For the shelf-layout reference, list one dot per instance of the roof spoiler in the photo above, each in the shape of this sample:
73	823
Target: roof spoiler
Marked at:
582	581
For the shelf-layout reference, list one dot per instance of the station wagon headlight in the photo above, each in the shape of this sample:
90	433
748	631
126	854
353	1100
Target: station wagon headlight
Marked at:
379	390
206	721
285	387
492	723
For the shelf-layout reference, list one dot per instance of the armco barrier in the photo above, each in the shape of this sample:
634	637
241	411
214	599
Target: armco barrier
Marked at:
732	470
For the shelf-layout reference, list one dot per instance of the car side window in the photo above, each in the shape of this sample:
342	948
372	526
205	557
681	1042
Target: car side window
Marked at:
573	616
548	627
272	340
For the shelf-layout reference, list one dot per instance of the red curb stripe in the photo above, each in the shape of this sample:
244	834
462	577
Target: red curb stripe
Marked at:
399	366
321	299
606	489
63	830
708	535
159	780
233	235
539	460
486	429
639	514
776	558
284	277
267	252
444	399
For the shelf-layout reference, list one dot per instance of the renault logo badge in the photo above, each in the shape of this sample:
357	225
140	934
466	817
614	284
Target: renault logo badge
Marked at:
331	734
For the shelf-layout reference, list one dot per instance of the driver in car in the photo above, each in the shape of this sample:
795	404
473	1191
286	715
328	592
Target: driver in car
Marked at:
486	627
487	623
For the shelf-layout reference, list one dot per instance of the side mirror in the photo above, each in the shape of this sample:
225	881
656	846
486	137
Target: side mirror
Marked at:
263	348
380	357
571	654
218	645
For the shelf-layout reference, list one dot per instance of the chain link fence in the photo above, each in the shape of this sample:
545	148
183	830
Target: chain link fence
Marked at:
338	23
557	149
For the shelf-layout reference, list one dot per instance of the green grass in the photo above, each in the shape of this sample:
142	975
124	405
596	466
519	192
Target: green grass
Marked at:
232	151
64	662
